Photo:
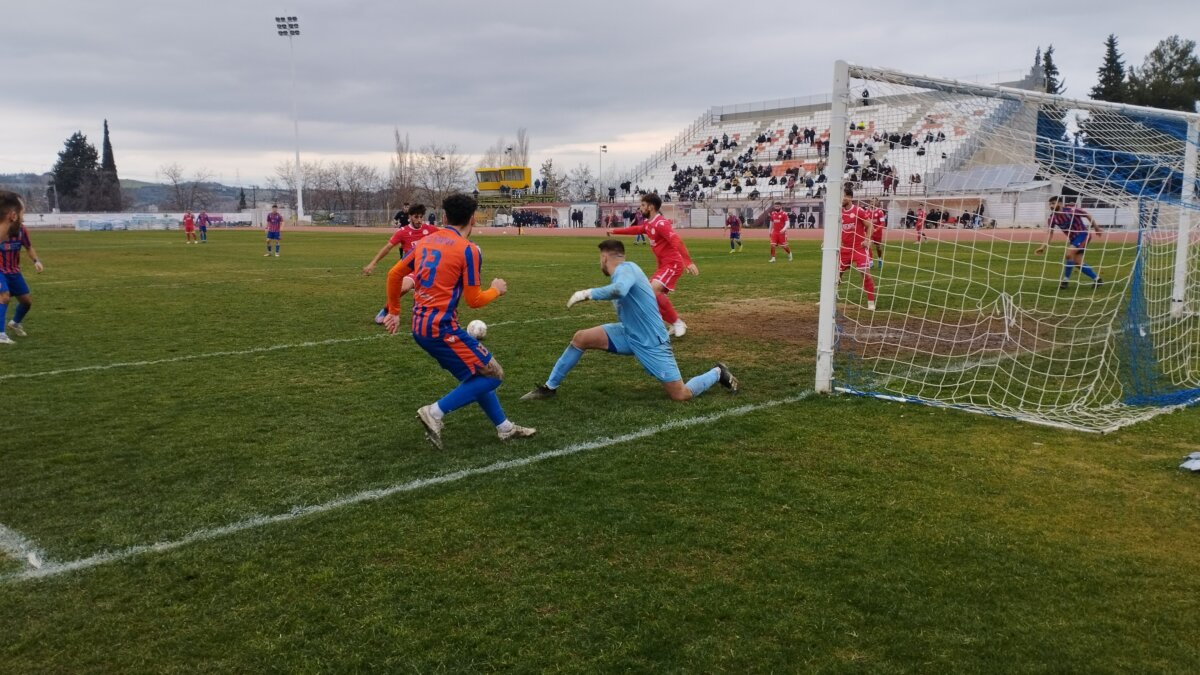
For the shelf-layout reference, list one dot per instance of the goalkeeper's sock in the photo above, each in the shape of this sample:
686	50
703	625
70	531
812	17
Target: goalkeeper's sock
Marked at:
700	383
23	309
566	362
665	308
466	392
491	407
1087	271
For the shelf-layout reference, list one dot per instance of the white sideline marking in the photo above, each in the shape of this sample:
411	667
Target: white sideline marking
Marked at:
50	568
240	352
15	545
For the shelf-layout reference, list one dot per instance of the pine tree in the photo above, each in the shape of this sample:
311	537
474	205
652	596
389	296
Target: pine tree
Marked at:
1053	84
75	173
1169	77
1110	85
242	199
109	194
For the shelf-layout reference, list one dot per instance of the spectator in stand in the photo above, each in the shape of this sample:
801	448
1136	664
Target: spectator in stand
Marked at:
887	183
791	218
537	185
866	98
941	137
812	220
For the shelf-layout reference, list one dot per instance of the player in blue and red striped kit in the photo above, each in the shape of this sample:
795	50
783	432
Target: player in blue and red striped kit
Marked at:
14	237
274	227
1070	219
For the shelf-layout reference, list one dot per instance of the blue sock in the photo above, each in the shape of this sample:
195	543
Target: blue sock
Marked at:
490	403
566	362
3	314
700	383
22	310
1067	270
1089	272
277	248
466	392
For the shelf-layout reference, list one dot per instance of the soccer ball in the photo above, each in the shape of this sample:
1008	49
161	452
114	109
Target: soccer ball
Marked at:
477	329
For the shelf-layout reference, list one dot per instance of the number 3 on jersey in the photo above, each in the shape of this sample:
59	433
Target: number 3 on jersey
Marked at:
429	263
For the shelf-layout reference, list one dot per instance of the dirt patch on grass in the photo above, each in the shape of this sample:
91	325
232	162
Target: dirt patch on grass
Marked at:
756	329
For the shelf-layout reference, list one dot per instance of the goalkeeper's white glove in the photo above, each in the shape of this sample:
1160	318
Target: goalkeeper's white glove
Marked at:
579	296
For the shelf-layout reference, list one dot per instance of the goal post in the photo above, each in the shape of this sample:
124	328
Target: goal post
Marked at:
979	303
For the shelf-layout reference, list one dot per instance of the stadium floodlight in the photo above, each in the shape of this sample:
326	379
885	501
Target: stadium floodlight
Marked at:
600	177
993	311
289	27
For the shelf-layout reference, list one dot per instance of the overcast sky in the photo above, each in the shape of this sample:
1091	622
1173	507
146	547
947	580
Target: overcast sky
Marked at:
207	84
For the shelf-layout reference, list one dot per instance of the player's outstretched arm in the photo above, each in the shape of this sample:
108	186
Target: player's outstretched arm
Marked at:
370	267
37	261
632	229
619	288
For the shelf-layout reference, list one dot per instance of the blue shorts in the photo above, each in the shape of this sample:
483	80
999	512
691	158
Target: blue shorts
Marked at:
273	235
1079	240
658	361
13	283
735	235
457	352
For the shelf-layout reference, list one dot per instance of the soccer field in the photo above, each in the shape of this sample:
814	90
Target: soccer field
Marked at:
213	457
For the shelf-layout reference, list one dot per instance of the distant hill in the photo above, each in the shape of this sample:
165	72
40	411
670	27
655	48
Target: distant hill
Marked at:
138	195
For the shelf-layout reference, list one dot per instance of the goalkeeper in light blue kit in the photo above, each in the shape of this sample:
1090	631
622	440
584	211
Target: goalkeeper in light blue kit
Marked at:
639	333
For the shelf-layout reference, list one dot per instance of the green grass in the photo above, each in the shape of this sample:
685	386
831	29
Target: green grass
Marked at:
830	534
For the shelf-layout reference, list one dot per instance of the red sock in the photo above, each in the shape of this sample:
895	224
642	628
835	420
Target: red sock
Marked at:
787	250
869	284
665	308
772	250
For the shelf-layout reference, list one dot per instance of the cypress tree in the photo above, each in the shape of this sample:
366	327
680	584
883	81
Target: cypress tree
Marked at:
109	194
1110	85
1053	84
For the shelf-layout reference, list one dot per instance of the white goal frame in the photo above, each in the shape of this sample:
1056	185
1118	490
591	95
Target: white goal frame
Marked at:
844	73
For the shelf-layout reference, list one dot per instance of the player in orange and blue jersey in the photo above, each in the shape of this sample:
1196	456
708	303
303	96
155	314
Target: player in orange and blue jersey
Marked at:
406	237
1070	219
13	238
445	267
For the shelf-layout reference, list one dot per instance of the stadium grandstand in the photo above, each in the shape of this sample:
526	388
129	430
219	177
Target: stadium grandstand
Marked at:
909	150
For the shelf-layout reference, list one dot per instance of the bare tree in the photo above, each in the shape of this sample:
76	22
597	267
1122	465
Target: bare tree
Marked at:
521	148
495	155
580	184
187	193
441	171
403	171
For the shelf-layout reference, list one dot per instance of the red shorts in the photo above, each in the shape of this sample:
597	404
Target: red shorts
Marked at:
858	257
778	238
668	275
187	228
877	237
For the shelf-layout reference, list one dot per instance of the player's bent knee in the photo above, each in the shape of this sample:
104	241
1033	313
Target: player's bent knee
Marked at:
677	391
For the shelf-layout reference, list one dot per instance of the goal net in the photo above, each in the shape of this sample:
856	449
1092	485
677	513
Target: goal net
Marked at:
980	301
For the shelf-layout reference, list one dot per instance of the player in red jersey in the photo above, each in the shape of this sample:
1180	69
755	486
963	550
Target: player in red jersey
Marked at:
779	227
920	224
189	228
879	223
857	229
447	268
734	224
13	238
671	254
406	237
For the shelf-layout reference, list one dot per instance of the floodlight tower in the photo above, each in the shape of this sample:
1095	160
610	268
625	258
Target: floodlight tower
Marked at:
289	27
600	178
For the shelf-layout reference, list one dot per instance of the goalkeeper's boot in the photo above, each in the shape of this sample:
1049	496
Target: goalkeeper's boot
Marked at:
727	379
433	427
678	328
541	392
515	431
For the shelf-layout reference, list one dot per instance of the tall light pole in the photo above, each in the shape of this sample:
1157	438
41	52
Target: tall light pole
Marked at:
600	178
289	27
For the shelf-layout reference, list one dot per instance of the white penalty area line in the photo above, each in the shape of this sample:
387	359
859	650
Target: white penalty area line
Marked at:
15	545
240	352
50	568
